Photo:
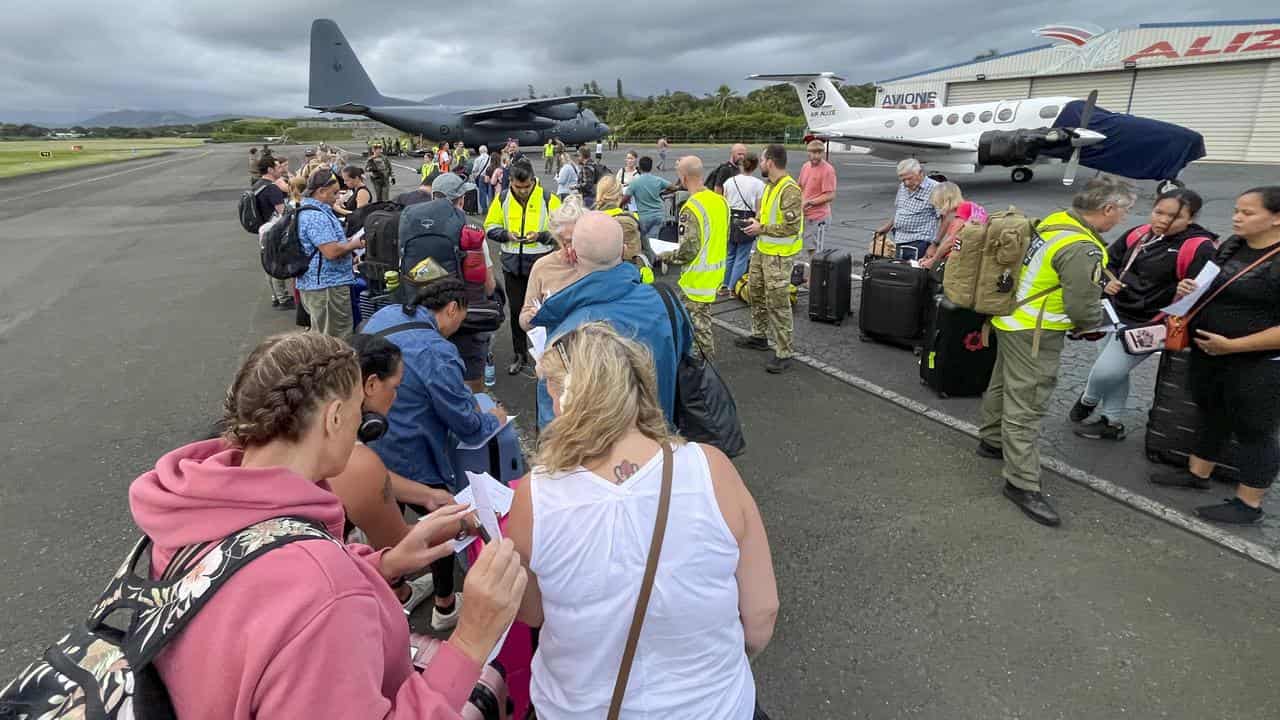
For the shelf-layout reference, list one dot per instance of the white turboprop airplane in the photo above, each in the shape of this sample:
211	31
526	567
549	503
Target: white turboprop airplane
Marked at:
959	139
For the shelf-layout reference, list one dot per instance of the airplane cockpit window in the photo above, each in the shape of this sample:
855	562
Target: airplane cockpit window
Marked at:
1049	112
937	119
985	116
888	123
914	121
1006	115
953	118
968	118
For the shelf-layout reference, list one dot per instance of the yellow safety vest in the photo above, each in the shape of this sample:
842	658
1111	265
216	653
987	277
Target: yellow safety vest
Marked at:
705	275
549	150
1038	276
521	220
428	167
771	214
616	211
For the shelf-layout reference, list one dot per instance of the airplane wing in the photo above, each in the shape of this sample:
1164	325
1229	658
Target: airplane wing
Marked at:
531	104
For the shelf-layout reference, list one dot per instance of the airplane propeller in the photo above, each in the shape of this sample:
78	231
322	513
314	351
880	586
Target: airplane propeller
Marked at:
1080	134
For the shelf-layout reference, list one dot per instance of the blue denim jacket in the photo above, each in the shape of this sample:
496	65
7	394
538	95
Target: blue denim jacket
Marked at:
434	410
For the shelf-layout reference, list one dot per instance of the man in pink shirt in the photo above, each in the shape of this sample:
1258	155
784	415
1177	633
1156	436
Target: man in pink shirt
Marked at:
818	187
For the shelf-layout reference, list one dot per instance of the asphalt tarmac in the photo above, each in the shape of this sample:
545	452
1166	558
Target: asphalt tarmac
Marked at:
910	587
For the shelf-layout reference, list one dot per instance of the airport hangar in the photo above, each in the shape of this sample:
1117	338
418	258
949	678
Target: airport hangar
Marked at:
1220	78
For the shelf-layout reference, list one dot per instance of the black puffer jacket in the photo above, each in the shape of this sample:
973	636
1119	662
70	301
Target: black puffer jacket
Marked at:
1152	280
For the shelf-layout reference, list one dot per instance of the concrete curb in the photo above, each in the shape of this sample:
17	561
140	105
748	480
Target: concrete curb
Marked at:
1258	553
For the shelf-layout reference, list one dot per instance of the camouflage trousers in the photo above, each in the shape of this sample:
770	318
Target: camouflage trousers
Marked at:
704	343
769	282
381	189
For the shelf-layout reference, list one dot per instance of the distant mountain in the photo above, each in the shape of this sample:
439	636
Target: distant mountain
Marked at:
147	118
43	118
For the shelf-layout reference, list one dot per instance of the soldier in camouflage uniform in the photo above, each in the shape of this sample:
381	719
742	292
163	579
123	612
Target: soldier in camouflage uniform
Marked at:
779	232
378	168
704	243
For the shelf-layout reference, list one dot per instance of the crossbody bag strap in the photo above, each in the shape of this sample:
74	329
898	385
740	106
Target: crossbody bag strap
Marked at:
1225	285
419	325
646	587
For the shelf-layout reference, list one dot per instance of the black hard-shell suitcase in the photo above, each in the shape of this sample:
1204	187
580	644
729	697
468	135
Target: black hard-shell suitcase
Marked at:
471	203
830	286
895	298
1174	420
953	361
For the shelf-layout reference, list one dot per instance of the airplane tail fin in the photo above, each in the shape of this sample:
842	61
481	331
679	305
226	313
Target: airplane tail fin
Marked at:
819	97
337	77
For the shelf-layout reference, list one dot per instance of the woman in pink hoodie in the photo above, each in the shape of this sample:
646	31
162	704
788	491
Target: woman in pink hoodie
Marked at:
311	629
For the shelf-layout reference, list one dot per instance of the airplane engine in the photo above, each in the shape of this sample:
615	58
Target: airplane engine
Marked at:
1011	147
567	111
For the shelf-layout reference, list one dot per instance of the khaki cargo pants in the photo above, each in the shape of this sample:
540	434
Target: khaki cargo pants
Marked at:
769	282
330	310
704	343
1016	401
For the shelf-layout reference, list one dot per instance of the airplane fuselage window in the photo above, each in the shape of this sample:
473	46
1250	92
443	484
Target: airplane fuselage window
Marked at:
968	118
937	119
952	119
1049	112
1006	115
985	116
914	121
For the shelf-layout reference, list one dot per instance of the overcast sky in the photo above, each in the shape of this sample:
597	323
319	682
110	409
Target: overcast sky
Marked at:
252	57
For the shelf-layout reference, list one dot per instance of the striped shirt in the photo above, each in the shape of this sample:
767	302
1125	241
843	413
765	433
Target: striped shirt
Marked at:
915	220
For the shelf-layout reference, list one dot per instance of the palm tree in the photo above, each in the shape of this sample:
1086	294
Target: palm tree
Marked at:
722	96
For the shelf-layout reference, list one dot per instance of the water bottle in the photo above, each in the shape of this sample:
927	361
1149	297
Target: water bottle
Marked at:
490	372
392	280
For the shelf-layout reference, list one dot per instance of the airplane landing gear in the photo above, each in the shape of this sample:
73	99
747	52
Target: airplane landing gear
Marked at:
1021	174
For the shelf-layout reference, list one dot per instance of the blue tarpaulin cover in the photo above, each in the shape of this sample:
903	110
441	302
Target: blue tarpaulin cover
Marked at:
1136	147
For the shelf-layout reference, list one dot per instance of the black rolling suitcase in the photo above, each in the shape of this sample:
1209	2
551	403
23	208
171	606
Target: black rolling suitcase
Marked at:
895	298
953	361
830	281
1174	421
471	203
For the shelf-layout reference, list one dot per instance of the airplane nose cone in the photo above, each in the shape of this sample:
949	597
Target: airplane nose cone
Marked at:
602	128
1085	138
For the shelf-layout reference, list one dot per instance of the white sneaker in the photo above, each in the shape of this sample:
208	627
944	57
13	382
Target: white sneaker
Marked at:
441	622
419	590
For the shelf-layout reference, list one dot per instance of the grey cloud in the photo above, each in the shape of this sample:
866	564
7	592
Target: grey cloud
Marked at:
235	56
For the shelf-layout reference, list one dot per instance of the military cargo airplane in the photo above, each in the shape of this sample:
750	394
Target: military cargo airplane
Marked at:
339	84
1015	133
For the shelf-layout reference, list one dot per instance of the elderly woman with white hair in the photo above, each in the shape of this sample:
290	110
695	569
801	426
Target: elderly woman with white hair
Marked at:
609	478
915	219
558	269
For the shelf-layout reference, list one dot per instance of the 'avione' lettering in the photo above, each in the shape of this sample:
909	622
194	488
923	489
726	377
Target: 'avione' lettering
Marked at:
917	99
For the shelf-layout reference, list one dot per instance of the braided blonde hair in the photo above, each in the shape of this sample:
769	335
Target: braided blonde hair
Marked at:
283	382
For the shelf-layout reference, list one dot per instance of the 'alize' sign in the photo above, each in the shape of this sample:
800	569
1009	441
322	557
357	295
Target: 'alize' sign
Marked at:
1245	42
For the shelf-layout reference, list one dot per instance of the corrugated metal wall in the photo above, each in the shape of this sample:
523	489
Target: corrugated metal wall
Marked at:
964	93
1264	146
1220	101
1113	88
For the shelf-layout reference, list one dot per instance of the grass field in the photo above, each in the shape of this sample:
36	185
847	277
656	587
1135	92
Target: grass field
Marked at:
23	157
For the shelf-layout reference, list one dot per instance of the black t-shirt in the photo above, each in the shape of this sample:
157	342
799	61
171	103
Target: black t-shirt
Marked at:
413	197
268	199
1249	305
723	172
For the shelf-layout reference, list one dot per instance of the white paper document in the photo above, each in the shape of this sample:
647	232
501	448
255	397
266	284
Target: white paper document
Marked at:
487	438
1203	281
488	498
662	247
537	342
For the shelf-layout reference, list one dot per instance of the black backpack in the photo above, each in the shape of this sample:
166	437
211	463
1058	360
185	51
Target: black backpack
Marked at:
250	214
282	253
588	176
98	670
382	244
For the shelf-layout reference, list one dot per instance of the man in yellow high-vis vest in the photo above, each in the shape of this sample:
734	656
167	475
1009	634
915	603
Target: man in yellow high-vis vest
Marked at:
520	220
704	247
1058	291
779	233
549	156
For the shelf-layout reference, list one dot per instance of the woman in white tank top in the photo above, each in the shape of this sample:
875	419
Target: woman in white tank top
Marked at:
583	523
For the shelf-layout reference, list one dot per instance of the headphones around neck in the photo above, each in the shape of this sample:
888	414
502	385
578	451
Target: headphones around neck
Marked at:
373	425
